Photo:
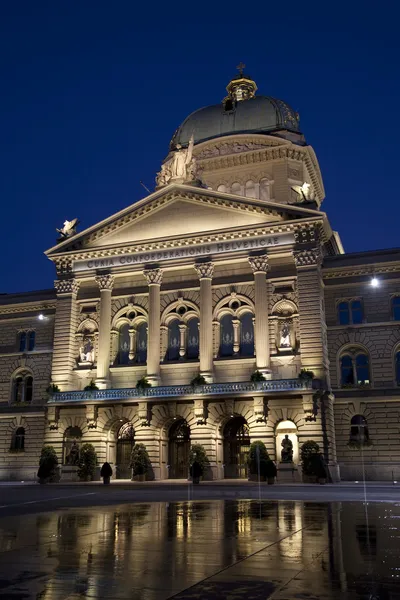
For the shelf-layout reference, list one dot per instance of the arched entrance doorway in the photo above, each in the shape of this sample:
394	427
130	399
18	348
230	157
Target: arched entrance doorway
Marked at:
125	443
236	448
178	450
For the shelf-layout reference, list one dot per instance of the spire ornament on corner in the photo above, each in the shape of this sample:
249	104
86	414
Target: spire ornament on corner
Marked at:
180	168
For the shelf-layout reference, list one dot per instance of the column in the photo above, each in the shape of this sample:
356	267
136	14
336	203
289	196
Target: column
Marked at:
132	342
236	336
65	350
182	340
154	279
311	312
259	265
205	272
106	283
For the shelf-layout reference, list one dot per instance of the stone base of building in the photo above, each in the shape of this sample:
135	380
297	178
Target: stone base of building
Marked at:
370	471
18	473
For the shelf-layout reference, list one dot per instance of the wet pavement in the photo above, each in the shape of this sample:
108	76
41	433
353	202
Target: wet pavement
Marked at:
232	549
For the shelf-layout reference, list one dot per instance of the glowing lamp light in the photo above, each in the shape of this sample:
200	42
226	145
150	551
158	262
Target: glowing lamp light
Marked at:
374	282
41	317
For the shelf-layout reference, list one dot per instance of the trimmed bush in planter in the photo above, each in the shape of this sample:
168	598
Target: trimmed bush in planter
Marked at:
48	465
313	462
140	462
87	462
269	471
257	448
257	376
198	380
92	387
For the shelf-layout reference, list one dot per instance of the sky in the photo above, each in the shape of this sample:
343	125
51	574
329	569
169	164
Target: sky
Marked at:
92	91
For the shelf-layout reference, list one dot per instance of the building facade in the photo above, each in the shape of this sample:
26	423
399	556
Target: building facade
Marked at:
229	268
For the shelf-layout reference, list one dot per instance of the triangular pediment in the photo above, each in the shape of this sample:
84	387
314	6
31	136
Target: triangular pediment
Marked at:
178	211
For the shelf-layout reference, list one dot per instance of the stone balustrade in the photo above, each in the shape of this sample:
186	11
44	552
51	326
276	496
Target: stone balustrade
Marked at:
176	391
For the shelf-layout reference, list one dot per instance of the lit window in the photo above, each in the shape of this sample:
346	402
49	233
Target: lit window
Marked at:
192	342
350	313
236	189
264	189
123	345
251	191
141	343
354	369
226	336
246	335
173	340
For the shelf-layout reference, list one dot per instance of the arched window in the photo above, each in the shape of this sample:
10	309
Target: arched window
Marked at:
226	336
222	188
354	368
18	440
397	367
251	191
173	340
264	189
22	388
141	343
350	313
246	335
359	430
192	345
236	189
396	308
343	313
123	345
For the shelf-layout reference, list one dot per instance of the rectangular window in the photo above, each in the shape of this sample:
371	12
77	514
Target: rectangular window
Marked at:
31	340
356	312
22	341
396	308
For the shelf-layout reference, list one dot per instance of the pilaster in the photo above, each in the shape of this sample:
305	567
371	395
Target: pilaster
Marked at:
205	272
154	280
259	265
65	325
105	283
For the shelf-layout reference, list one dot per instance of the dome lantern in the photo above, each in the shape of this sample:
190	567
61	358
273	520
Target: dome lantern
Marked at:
241	87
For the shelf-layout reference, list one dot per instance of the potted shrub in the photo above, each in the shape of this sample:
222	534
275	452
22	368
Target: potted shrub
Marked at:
140	462
319	468
48	466
87	462
257	376
306	376
269	471
52	389
106	472
258	452
198	380
198	462
143	383
91	388
307	451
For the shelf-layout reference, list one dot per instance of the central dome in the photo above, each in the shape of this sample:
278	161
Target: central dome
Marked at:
240	112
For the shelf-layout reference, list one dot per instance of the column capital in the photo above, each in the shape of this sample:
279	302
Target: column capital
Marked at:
105	282
67	286
259	264
153	276
204	270
307	257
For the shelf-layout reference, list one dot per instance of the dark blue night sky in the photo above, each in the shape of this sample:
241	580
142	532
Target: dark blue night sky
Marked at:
92	92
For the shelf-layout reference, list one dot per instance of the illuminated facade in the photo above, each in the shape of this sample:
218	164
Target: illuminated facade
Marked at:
229	268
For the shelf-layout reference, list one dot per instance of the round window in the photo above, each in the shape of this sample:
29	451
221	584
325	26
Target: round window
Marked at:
181	310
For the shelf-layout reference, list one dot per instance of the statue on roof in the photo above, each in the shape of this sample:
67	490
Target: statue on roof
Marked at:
68	229
180	168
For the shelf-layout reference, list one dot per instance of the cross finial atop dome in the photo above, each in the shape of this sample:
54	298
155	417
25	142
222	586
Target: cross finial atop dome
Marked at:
240	67
241	87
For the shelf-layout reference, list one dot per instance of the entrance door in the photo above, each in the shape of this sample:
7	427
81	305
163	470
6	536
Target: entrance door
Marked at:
179	448
125	443
236	448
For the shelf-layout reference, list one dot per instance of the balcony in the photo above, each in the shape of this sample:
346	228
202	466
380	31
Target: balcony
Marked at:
246	388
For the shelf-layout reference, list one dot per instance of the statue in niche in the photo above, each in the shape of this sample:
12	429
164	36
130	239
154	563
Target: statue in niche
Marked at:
285	336
72	457
86	351
287	449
